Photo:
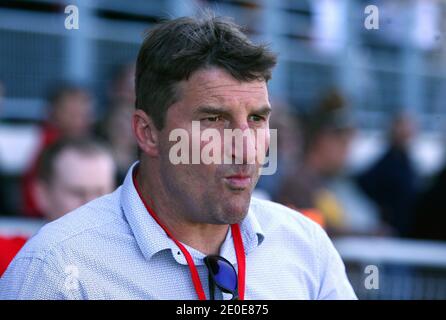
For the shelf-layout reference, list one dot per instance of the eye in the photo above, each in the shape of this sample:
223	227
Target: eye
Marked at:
213	118
256	118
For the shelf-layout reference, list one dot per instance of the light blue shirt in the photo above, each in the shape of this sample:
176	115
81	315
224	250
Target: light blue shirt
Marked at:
111	248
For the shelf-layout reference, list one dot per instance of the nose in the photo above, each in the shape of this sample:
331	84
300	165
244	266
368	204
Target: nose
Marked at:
240	144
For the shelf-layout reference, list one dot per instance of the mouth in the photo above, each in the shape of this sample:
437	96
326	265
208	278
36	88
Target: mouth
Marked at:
238	181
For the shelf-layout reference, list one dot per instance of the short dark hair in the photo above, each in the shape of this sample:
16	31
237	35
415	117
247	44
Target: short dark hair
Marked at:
86	146
175	49
332	115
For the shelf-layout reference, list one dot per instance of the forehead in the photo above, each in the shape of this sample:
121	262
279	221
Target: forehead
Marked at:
217	86
75	168
77	96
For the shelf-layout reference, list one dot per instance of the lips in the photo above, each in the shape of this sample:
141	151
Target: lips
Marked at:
238	181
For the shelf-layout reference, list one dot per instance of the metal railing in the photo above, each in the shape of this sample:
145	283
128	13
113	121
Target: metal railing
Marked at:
405	269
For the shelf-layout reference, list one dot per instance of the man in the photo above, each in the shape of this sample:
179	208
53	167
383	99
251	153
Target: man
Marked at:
70	115
71	173
327	133
70	111
186	231
319	185
393	181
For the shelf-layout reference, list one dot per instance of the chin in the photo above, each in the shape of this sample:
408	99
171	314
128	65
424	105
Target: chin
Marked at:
235	211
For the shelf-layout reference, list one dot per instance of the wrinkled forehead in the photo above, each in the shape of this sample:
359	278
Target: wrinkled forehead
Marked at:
216	86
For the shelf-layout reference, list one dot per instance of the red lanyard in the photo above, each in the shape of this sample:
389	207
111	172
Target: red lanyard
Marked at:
238	245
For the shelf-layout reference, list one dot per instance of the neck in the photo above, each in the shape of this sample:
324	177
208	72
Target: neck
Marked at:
204	237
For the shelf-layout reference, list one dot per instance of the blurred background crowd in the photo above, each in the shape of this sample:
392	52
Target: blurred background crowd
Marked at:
360	116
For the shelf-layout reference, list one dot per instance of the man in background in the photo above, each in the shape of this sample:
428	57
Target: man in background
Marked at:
392	181
327	135
319	185
70	116
71	173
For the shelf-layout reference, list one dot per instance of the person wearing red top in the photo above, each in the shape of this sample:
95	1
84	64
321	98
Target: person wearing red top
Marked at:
71	172
9	246
70	116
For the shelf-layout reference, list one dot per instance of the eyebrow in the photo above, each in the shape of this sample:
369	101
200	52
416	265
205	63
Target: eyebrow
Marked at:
264	110
211	110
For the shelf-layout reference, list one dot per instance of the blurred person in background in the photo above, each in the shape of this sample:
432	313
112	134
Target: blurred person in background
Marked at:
70	112
116	127
317	186
71	173
392	181
122	89
70	115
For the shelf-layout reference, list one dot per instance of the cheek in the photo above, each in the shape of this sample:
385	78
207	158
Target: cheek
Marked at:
333	152
263	144
64	201
191	178
341	146
268	142
337	153
82	118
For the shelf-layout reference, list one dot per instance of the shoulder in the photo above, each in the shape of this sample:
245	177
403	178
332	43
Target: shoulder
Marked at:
306	246
64	248
76	227
274	217
292	232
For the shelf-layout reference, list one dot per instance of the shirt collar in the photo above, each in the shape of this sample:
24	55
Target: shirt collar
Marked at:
149	236
152	239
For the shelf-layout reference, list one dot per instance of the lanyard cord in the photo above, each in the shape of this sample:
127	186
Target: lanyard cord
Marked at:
238	246
241	259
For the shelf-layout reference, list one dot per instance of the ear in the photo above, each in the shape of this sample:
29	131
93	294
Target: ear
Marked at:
147	135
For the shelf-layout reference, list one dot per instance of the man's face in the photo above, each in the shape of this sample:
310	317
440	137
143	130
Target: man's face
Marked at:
403	129
215	193
73	115
333	147
77	179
